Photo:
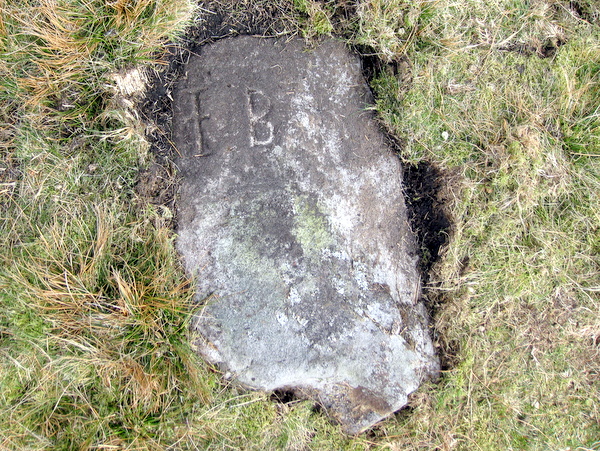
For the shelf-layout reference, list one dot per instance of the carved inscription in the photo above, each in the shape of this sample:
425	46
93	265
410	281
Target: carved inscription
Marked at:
192	123
261	130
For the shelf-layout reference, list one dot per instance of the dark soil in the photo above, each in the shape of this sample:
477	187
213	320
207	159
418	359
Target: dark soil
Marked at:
426	213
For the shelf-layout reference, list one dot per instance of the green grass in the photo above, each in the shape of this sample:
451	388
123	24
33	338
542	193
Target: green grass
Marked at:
520	274
94	306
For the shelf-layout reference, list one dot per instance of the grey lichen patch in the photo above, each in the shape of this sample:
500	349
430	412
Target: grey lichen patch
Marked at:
311	227
292	220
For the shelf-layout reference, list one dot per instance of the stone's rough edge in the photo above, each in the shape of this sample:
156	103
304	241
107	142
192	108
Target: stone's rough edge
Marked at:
378	408
361	398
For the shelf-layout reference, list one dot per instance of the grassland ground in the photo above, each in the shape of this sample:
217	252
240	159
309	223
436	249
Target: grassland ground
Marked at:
500	97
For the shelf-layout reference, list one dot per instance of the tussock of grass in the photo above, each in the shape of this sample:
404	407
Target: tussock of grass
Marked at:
97	315
391	27
59	51
318	16
94	306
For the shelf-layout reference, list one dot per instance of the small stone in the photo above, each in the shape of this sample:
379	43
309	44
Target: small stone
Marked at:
293	223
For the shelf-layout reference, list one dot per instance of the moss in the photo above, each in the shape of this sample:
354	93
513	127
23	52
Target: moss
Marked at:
311	228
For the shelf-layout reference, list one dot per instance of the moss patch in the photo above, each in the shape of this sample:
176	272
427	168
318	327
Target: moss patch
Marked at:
311	228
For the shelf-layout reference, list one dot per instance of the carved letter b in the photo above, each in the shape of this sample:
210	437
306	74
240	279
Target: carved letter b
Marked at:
261	130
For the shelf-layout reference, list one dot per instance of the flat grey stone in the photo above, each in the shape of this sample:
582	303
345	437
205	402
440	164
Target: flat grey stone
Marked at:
293	223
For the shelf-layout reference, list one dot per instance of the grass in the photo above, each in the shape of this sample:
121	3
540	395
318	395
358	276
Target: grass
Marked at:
520	274
501	96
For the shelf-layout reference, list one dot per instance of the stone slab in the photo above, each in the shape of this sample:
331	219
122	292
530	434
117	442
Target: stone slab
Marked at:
293	223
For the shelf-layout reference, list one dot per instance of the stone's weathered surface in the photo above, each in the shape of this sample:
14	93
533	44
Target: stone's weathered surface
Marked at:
292	219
